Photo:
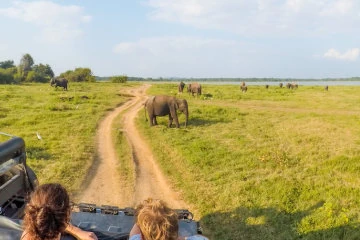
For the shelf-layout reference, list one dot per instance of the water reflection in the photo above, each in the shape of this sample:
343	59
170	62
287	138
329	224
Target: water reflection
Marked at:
300	83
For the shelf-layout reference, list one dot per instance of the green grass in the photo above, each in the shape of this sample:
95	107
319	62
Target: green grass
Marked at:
267	164
66	121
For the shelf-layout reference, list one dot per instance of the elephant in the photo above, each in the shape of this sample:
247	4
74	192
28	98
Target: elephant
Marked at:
59	82
181	87
194	88
281	85
267	86
243	88
291	85
326	88
162	105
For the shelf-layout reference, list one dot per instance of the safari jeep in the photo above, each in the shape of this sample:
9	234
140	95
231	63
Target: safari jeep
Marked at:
17	181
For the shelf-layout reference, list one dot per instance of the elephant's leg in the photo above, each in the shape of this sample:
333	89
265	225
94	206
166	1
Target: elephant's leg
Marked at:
151	119
155	122
177	122
173	116
170	121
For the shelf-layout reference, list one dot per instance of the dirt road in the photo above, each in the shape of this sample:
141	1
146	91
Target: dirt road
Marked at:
103	184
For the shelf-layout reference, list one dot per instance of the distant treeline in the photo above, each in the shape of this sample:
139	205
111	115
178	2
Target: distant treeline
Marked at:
27	71
231	79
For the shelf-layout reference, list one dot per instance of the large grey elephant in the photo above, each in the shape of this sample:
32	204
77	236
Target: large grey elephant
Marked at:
194	88
162	105
59	82
181	87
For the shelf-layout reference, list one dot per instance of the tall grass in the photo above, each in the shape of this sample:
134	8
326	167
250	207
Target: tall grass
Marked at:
66	121
267	164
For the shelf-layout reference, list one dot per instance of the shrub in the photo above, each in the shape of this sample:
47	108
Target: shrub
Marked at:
119	79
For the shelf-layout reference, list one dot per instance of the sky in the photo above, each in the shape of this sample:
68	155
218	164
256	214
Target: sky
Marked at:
186	38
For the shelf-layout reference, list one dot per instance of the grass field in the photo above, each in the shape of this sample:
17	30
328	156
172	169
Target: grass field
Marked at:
66	121
267	164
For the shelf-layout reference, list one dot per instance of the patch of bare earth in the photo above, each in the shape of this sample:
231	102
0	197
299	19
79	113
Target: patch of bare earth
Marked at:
104	185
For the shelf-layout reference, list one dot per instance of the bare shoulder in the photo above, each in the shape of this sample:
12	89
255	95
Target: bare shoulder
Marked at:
25	236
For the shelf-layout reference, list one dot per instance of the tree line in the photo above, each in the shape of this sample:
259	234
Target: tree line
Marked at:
28	71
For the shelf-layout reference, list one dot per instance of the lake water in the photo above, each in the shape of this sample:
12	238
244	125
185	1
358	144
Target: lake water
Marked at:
300	83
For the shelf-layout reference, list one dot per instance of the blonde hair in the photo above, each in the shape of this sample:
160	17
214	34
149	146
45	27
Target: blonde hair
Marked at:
156	220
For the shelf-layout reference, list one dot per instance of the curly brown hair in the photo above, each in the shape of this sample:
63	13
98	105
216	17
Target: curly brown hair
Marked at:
48	213
156	220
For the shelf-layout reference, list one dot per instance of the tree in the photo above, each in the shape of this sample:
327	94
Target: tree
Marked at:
7	75
79	75
119	79
5	78
42	73
30	77
26	63
7	64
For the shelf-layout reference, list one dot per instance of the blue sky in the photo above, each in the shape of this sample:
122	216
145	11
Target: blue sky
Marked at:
186	38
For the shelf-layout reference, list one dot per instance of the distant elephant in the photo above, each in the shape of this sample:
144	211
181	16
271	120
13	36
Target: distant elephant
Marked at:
291	85
267	86
194	88
181	87
326	88
243	88
59	82
294	85
281	85
166	105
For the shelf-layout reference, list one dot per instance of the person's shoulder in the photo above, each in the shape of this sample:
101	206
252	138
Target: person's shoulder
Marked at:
196	237
135	237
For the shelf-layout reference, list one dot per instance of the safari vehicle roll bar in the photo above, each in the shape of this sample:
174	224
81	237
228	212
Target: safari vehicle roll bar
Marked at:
17	180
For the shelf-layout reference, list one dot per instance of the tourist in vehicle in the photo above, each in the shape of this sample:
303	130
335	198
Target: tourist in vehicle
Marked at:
47	215
154	220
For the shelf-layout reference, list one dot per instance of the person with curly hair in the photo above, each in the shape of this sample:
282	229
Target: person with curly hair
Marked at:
47	215
154	220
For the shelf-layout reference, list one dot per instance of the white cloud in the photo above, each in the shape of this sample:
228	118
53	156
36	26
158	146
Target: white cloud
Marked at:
260	17
57	22
339	7
349	55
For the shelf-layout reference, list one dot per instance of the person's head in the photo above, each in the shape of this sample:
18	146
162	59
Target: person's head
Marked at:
48	212
156	220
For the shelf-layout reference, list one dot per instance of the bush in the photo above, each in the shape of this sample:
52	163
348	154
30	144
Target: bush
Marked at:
6	77
79	75
119	79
